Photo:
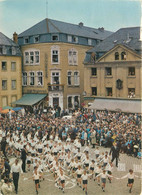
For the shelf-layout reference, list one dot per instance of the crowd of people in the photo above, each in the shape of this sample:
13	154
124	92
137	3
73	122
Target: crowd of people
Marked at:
51	142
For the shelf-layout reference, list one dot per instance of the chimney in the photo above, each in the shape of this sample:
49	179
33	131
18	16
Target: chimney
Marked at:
80	24
101	29
15	37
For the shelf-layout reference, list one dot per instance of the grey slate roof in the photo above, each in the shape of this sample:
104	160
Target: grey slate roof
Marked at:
54	26
129	37
4	40
8	43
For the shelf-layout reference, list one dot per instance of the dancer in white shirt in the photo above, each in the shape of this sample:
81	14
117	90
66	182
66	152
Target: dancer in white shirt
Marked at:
131	175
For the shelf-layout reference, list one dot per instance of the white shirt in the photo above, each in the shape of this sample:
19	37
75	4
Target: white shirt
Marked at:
129	176
16	168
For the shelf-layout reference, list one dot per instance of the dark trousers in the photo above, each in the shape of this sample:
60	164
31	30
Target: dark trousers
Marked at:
24	165
115	157
15	180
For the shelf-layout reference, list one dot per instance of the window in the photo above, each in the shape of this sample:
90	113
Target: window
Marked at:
108	71
75	39
89	41
116	56
4	84
13	66
36	39
69	38
32	78
94	90
4	50
73	101
70	105
4	66
55	37
24	79
26	40
69	78
76	78
131	71
4	101
131	92
72	57
13	51
31	57
93	71
55	55
123	56
109	91
36	57
40	78
55	77
13	84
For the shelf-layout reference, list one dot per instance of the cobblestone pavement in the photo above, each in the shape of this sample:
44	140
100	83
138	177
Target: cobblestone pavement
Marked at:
117	187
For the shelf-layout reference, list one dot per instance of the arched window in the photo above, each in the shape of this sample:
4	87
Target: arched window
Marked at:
123	55
116	56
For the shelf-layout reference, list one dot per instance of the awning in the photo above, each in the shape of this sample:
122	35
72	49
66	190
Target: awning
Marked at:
30	99
129	106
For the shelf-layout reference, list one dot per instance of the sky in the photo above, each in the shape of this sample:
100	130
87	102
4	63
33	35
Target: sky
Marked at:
19	15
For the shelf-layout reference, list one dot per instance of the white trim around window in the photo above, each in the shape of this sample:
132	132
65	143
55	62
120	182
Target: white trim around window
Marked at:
40	78
32	57
55	55
73	57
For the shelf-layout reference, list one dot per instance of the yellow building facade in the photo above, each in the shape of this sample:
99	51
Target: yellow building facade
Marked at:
10	71
116	73
53	54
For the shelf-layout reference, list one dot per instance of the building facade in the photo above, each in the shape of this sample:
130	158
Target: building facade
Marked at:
10	71
113	68
53	54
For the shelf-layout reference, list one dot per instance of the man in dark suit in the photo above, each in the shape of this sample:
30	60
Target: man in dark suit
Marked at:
23	157
115	153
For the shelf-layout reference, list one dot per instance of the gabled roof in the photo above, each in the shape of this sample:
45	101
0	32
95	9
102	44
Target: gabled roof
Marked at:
129	37
4	40
54	26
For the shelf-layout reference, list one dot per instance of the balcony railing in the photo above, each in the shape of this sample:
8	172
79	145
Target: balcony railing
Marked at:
55	87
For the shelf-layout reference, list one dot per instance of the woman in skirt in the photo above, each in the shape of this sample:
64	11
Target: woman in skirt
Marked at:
130	177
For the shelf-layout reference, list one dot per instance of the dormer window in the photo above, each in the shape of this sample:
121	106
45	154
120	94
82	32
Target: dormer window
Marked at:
13	51
4	50
69	38
26	40
75	39
36	39
89	41
123	56
55	38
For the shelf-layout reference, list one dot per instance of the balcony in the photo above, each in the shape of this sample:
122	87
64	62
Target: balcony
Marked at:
55	87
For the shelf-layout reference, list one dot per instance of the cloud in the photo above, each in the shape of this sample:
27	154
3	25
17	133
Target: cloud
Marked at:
2	0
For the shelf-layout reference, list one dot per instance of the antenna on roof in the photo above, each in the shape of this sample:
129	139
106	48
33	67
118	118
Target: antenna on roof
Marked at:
46	8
